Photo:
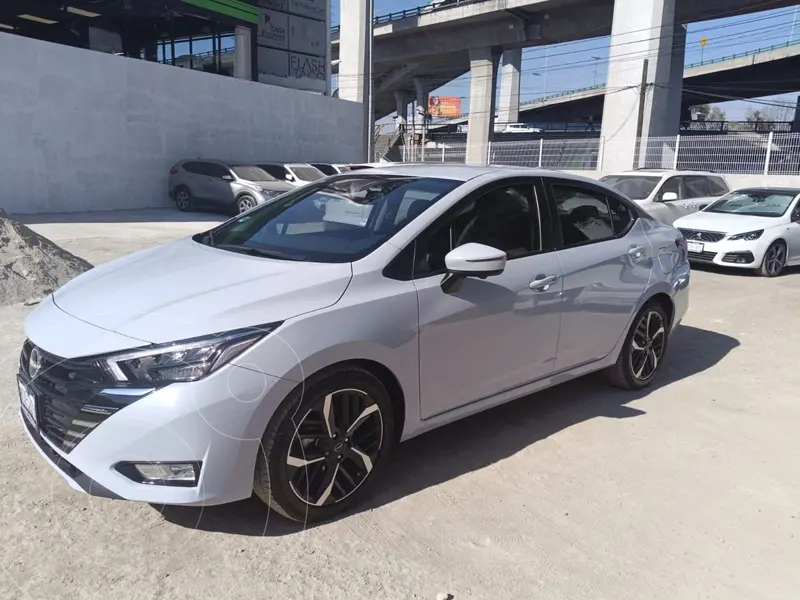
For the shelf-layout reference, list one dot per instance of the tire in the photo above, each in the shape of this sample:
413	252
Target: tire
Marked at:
630	372
183	199
774	260
305	491
245	202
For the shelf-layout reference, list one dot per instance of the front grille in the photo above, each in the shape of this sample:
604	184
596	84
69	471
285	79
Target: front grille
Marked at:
702	236
706	256
68	402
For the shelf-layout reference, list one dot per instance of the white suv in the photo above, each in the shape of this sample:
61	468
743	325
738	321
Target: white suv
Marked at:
669	195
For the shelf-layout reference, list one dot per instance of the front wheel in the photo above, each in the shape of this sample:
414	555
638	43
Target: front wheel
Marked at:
325	445
774	260
643	350
183	199
245	202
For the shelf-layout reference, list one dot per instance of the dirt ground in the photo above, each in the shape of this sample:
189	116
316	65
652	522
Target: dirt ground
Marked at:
688	491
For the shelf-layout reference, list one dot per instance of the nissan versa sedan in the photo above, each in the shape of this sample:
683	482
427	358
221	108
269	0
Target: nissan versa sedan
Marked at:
288	350
755	228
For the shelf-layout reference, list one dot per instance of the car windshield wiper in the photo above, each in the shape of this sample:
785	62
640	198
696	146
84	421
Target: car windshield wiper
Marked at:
250	251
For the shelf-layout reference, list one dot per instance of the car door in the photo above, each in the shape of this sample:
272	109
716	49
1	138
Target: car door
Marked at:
488	335
697	193
196	180
220	191
667	211
792	235
605	259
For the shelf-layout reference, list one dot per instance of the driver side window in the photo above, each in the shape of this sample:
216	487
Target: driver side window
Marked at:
506	218
673	184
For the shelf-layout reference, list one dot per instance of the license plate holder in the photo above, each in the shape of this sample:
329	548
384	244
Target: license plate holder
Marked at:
694	246
27	401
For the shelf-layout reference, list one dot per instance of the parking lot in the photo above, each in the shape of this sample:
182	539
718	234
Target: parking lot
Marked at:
689	490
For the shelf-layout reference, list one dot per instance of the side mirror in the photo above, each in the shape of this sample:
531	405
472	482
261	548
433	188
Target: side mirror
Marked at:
472	260
669	197
228	177
796	216
289	177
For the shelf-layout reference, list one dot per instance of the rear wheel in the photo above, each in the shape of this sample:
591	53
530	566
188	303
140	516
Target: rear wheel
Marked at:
774	260
183	199
245	202
325	445
643	350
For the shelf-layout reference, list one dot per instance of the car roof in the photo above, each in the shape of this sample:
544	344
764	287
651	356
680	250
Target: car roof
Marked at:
662	172
769	190
460	172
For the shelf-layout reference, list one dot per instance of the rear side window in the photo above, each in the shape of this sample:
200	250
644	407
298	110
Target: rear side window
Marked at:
718	186
326	169
583	213
196	168
696	187
621	215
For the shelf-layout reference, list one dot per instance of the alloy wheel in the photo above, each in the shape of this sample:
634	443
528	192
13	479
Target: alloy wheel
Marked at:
334	447
776	255
246	203
182	200
647	345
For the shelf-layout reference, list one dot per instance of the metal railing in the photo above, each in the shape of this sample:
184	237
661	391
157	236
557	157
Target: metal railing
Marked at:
742	54
573	154
756	153
413	12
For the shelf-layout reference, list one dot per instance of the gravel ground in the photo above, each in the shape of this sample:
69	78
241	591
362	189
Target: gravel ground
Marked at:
689	491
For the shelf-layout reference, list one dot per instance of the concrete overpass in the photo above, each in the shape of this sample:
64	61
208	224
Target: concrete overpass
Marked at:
744	75
416	53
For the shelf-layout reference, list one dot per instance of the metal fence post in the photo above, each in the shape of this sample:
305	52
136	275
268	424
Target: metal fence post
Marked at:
442	152
489	154
769	152
601	150
541	150
677	149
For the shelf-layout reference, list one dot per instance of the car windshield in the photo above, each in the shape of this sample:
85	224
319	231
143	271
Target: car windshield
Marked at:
635	187
306	172
755	203
340	220
251	173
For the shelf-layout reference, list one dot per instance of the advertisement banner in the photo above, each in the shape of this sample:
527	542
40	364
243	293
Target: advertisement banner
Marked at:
444	106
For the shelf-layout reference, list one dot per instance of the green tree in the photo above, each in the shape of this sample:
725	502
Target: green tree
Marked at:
717	114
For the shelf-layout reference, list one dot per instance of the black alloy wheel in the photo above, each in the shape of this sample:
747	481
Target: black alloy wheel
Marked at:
325	444
643	351
334	447
774	260
647	345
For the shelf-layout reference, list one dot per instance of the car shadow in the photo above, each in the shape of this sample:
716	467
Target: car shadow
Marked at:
143	215
481	440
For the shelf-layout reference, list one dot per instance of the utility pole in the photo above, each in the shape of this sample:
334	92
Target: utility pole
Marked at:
640	121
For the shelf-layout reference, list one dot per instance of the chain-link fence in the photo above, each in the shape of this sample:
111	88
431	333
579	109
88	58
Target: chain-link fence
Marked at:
762	153
580	154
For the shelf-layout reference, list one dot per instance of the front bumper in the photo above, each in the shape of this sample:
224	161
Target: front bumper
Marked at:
217	421
726	253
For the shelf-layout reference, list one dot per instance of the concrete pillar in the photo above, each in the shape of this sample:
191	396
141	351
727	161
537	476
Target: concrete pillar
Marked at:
243	54
355	60
401	99
482	91
671	125
508	106
640	28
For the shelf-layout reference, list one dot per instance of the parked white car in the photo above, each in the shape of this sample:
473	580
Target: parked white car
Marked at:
755	228
668	195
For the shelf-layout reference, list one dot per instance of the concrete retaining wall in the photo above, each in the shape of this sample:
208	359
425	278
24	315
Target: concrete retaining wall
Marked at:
83	130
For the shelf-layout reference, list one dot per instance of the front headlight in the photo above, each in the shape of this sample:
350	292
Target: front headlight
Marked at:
269	193
184	361
747	237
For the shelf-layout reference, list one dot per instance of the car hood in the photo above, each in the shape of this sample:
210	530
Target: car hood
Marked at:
185	289
732	224
277	186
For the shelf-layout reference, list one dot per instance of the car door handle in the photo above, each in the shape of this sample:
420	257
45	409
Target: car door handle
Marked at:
542	283
636	252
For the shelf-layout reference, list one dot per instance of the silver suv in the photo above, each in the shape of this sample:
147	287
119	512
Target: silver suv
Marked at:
666	194
225	185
